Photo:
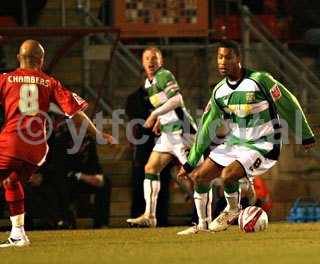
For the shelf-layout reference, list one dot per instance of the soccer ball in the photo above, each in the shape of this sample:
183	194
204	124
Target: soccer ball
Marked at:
253	219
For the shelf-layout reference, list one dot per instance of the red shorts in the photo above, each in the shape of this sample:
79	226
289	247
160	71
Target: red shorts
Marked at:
18	169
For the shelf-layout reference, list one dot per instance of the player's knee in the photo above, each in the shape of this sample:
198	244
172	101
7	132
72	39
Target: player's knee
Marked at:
151	168
228	175
147	168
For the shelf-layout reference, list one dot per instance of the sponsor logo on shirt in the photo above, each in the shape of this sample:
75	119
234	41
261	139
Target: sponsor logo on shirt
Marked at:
250	97
275	92
78	99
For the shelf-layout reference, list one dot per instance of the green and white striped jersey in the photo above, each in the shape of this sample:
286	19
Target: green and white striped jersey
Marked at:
160	89
252	107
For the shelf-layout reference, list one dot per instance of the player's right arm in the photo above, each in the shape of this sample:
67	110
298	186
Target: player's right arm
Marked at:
210	122
73	105
171	104
70	103
80	119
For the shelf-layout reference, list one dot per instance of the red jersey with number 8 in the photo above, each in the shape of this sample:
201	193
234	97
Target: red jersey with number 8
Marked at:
25	95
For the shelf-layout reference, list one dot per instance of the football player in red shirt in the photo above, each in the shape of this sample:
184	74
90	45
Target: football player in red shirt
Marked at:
25	95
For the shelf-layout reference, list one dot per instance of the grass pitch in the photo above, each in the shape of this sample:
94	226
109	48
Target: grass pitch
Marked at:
280	243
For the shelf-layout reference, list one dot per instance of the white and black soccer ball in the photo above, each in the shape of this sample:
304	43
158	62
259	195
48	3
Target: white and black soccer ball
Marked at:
253	219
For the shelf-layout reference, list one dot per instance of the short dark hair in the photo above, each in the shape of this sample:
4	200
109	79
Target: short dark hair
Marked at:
230	44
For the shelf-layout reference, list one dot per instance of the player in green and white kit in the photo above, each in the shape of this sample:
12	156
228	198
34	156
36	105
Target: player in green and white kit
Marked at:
177	130
256	107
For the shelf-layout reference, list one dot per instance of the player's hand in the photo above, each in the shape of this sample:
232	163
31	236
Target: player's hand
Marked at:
182	174
156	128
36	179
150	122
7	183
95	180
109	138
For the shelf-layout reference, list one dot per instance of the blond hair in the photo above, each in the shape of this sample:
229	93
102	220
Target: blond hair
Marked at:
153	49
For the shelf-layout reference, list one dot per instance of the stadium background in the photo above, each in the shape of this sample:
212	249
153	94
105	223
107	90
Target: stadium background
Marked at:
106	65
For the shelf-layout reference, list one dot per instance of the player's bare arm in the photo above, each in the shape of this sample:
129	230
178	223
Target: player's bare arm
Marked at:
81	117
182	174
171	104
156	128
151	120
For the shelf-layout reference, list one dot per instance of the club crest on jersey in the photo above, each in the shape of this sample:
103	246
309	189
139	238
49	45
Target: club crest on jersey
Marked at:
78	98
250	97
275	92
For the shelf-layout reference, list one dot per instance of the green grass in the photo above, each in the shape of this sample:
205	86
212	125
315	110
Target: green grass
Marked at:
280	243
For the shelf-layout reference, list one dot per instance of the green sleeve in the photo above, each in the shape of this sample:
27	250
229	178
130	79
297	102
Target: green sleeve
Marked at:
288	108
210	121
168	83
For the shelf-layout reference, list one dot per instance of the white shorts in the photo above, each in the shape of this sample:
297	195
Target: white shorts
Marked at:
251	160
176	144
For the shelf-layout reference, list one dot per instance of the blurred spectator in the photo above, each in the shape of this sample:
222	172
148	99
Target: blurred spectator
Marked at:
63	180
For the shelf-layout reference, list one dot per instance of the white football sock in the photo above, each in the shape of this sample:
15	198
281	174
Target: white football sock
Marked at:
17	230
151	190
233	201
203	202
